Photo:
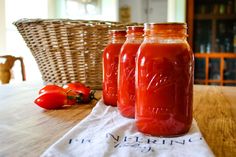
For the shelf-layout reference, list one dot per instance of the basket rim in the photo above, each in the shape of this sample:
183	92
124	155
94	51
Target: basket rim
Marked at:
39	20
70	21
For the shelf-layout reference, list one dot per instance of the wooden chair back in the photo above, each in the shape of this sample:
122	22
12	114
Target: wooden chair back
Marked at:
5	68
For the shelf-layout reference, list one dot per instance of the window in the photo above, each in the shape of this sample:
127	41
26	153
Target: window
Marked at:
83	9
15	45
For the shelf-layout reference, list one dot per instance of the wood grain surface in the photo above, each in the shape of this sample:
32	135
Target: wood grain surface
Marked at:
27	130
215	113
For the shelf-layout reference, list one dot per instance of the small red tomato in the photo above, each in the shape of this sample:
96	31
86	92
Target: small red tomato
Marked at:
49	88
51	100
83	94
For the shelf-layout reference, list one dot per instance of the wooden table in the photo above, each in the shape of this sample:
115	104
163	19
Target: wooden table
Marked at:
27	130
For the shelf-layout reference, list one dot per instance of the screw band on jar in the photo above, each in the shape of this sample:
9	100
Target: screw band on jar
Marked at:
166	29
138	30
117	35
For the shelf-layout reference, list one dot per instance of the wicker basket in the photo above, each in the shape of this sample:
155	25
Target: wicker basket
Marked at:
67	50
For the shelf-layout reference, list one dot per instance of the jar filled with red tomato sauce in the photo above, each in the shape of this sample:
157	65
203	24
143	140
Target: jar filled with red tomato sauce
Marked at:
164	81
110	66
126	71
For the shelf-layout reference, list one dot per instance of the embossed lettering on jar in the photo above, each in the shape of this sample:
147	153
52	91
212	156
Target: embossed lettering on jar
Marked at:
126	71
164	82
110	66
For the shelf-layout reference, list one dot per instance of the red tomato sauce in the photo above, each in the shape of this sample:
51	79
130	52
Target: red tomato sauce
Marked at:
164	88
126	91
110	70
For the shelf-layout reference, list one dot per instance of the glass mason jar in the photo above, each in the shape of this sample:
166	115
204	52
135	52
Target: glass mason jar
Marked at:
164	81
110	66
126	71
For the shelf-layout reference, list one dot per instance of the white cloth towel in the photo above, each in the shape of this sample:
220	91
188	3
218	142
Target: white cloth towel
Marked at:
105	133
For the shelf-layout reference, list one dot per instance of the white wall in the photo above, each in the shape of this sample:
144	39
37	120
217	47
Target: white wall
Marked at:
176	11
109	11
156	10
2	27
52	8
137	9
146	10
